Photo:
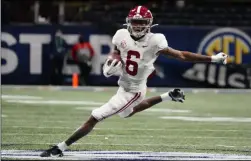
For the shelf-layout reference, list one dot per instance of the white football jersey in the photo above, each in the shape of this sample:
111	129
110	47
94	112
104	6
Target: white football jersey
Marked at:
137	58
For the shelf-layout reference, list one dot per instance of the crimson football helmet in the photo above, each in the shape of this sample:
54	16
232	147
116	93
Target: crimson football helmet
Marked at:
139	21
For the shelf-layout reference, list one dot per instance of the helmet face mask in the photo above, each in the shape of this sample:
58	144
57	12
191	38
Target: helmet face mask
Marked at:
138	27
139	21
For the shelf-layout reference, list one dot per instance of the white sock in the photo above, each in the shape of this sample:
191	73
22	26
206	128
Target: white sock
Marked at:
165	97
62	146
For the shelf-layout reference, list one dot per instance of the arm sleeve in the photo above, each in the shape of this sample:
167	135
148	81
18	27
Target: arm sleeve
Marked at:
118	36
161	42
115	38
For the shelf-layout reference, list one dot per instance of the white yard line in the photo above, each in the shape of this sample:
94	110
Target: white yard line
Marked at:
73	122
20	97
86	108
167	110
4	115
127	129
133	136
208	119
55	102
44	121
227	146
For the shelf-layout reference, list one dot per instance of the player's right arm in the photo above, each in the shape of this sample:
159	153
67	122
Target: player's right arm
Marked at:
111	66
116	40
116	50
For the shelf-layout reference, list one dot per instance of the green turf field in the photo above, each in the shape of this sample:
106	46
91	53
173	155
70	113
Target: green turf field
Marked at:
35	119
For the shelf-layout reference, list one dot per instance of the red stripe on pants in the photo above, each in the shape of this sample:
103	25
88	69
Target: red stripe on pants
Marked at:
137	95
123	108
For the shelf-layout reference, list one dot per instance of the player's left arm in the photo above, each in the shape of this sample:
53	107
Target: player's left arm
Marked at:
164	49
193	57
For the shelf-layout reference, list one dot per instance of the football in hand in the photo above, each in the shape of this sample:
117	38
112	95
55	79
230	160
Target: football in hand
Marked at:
114	56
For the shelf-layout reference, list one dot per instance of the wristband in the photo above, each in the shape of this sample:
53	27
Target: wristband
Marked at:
214	58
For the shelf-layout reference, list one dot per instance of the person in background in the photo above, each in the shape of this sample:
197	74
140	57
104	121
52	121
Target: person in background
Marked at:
59	51
82	54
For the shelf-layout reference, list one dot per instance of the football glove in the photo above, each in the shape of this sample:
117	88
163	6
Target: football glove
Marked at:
219	58
177	95
111	67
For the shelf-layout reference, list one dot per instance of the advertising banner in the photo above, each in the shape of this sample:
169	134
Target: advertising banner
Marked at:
25	55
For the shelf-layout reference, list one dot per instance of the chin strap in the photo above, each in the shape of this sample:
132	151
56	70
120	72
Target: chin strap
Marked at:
154	25
147	29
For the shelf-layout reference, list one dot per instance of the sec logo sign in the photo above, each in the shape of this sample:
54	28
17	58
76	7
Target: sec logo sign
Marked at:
231	41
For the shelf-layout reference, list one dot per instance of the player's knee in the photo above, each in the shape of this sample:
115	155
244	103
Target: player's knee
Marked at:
92	121
96	113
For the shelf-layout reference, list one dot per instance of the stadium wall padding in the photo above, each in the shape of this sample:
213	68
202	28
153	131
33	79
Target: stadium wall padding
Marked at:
25	57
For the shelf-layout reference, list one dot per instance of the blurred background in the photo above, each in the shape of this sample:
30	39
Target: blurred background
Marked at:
46	42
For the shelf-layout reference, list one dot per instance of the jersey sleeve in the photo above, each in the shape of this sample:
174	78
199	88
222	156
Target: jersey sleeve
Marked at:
161	42
117	38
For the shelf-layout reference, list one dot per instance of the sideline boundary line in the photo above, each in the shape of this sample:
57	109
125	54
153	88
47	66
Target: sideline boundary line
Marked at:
122	155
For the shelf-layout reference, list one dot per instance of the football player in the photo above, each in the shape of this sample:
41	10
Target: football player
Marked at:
138	49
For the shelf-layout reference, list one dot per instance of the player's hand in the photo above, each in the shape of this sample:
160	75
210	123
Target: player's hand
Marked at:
220	58
177	95
111	68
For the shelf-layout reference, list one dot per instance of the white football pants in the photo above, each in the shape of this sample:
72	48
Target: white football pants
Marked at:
122	103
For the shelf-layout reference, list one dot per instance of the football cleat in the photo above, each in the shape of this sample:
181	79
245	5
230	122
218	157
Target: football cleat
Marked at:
54	151
177	95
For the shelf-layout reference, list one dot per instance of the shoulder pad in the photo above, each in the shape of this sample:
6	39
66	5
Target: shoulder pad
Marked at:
121	33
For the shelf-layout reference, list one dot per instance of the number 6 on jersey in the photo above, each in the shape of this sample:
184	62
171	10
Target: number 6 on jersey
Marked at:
129	62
